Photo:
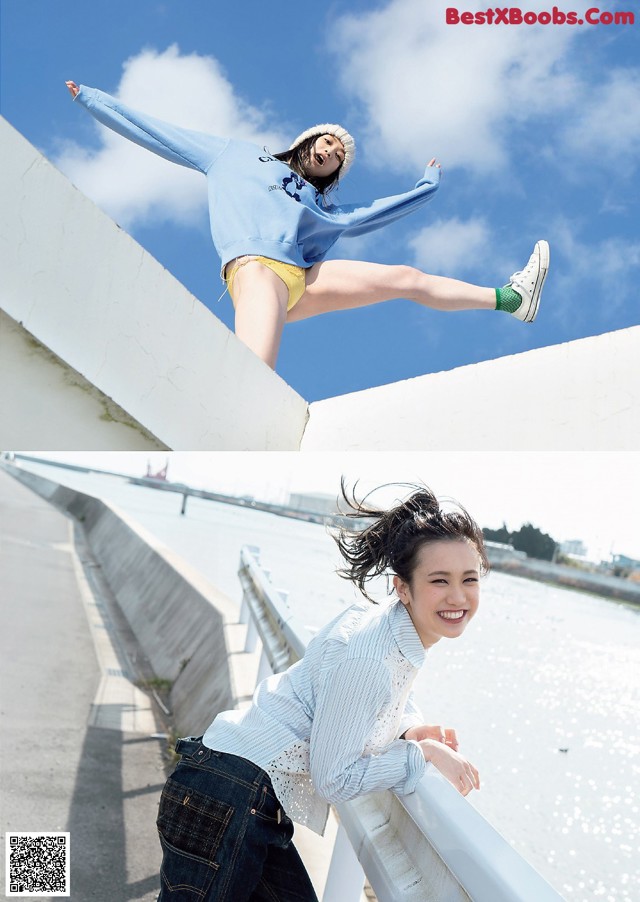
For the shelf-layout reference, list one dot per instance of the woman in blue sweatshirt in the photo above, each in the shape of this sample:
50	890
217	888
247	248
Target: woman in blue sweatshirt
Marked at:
273	226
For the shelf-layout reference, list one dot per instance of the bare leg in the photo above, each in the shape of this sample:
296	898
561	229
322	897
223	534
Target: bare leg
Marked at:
261	299
345	284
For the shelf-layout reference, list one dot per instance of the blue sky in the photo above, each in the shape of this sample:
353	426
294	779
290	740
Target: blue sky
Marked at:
537	129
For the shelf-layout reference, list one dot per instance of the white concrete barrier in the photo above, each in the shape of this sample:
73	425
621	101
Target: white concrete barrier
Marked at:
97	334
45	401
567	397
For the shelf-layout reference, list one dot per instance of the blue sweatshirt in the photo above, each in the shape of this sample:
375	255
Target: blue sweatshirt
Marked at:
257	205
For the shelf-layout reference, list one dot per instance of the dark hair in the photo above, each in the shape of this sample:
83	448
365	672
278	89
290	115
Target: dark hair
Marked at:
298	159
394	538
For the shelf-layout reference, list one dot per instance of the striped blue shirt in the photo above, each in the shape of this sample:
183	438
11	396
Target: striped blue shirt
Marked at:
327	729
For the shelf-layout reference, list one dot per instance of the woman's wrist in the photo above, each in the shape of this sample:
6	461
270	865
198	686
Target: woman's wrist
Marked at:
428	746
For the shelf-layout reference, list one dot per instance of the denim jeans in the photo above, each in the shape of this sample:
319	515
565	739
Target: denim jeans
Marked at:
224	835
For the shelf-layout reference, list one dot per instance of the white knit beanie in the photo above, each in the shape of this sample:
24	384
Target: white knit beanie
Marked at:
338	132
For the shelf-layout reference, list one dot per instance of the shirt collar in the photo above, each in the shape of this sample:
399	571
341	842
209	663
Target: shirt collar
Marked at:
405	634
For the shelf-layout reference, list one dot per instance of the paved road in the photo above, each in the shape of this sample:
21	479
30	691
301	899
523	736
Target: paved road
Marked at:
58	772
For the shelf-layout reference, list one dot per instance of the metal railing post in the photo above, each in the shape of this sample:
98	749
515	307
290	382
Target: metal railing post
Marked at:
264	668
345	880
251	639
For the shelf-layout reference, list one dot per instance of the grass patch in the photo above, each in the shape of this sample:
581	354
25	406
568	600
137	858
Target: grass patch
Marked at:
157	683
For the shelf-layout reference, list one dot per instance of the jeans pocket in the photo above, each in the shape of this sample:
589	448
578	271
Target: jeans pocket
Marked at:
191	826
267	805
269	811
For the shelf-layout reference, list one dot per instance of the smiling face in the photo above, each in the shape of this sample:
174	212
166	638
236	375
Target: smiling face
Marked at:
443	593
325	157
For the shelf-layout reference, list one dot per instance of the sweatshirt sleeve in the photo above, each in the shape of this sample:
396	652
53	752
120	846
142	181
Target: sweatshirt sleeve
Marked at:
195	150
349	698
361	218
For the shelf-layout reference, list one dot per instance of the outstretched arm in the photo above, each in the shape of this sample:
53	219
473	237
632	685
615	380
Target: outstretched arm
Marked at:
361	218
195	150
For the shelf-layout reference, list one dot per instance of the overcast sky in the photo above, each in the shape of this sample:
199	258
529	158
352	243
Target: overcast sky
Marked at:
590	496
536	128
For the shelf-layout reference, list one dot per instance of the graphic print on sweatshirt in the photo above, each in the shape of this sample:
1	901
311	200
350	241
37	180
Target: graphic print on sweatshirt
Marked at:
298	183
291	184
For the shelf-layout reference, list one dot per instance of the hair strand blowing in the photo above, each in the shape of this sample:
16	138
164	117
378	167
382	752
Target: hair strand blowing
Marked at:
392	540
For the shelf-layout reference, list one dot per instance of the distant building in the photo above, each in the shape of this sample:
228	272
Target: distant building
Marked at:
621	560
317	502
573	547
628	567
497	552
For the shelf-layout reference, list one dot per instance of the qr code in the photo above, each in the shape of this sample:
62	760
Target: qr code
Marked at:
37	864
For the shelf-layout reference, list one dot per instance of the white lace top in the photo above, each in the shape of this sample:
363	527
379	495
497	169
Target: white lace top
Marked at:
327	729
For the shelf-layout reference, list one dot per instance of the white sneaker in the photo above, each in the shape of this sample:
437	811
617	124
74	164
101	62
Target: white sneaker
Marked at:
528	283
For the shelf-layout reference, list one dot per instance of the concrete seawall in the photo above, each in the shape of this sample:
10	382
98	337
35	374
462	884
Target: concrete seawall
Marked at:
572	578
177	617
567	397
102	348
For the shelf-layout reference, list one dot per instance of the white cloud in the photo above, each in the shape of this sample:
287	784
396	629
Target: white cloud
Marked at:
607	127
134	185
610	267
451	246
477	96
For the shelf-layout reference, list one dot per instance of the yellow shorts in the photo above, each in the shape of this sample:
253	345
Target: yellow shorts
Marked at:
294	277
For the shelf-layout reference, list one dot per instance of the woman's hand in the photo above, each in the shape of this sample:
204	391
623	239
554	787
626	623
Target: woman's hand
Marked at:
434	162
459	772
447	736
73	88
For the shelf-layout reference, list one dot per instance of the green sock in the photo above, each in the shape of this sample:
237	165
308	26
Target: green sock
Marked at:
507	299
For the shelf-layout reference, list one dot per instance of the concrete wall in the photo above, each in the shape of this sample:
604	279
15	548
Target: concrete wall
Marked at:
112	316
177	616
572	577
568	397
45	403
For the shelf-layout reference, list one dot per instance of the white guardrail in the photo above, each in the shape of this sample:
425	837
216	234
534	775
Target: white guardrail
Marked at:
429	846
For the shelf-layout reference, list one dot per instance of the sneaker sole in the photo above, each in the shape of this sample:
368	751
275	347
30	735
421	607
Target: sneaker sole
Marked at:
543	248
